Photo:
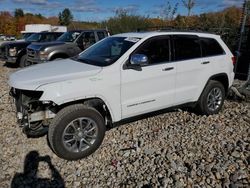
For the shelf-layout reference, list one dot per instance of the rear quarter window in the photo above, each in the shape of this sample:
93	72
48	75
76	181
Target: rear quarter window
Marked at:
210	47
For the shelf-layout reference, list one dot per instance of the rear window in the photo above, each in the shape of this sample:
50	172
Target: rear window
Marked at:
186	47
210	47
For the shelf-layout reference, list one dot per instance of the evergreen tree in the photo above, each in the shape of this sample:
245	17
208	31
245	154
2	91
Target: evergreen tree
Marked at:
65	17
18	13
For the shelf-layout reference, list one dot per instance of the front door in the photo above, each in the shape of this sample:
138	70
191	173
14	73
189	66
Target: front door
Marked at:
152	88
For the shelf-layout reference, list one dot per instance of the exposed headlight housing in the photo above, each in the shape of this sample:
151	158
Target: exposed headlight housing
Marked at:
12	51
43	55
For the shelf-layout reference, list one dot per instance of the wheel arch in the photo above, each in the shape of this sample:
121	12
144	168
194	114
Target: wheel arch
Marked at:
96	102
58	55
20	54
222	78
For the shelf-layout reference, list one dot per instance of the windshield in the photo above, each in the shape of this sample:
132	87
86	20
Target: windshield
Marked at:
69	36
26	35
107	51
34	37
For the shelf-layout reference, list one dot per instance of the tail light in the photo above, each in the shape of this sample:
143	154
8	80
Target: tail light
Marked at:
234	60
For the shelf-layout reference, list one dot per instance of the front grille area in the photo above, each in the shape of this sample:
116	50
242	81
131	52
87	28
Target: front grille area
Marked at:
23	98
31	53
32	56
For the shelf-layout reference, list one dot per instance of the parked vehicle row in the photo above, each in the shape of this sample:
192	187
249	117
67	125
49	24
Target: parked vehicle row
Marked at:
68	45
15	52
121	78
7	37
46	46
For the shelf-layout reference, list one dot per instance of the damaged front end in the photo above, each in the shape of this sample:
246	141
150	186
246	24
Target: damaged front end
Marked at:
32	115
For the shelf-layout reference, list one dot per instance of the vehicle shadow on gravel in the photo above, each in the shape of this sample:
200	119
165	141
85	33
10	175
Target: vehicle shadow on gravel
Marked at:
30	178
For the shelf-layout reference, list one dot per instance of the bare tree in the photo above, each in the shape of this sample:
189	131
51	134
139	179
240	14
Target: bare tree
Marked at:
168	12
189	4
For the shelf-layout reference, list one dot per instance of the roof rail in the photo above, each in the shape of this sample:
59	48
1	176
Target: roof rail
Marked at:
219	31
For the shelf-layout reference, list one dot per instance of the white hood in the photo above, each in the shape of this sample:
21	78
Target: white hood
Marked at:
32	77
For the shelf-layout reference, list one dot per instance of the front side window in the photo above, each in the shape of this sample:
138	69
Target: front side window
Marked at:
157	50
186	47
107	51
210	47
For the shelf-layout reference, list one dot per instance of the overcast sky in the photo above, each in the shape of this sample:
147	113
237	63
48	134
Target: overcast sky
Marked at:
98	10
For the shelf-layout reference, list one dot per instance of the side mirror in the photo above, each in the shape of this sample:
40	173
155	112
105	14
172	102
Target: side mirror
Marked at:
136	61
139	59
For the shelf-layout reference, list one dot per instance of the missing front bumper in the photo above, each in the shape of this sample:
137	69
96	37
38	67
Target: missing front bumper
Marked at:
28	107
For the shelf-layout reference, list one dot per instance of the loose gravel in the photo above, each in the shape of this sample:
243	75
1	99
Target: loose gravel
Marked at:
176	149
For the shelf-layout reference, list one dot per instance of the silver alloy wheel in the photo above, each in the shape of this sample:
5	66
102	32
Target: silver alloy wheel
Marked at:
214	99
80	134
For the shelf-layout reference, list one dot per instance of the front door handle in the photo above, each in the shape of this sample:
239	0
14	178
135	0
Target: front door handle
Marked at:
168	69
205	62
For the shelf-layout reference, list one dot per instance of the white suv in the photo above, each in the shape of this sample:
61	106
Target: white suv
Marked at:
117	79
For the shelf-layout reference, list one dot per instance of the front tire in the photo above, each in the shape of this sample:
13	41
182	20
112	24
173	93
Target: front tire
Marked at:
76	132
24	62
211	99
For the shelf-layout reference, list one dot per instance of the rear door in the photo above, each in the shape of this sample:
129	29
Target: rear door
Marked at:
192	69
214	53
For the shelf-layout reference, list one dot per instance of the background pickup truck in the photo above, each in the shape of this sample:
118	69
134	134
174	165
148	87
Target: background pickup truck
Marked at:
68	45
15	51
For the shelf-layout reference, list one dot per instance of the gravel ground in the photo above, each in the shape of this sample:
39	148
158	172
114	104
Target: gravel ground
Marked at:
177	149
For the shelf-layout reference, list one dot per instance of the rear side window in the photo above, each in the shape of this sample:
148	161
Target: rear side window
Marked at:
210	47
89	38
186	47
100	35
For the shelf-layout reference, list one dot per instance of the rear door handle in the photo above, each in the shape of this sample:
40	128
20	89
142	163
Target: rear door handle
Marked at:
168	69
205	62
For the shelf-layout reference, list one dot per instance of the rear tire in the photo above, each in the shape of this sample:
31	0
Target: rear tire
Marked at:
76	132
211	99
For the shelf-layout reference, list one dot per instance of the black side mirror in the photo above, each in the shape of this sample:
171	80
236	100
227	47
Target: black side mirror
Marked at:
134	67
137	61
